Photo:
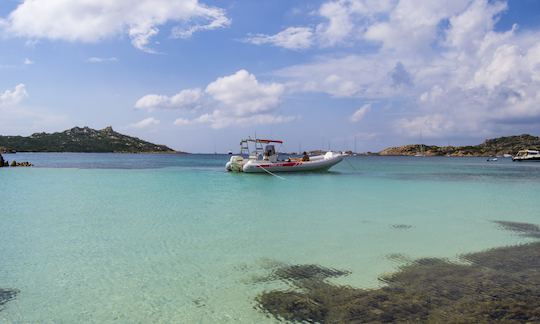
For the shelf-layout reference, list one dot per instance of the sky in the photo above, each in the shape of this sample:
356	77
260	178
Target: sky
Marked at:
200	75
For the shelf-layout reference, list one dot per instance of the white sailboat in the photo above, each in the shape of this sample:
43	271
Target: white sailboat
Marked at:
421	153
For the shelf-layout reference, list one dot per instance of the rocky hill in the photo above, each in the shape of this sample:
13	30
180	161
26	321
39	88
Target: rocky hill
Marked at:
491	147
81	139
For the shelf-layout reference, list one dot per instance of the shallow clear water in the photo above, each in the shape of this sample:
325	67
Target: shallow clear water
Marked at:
174	238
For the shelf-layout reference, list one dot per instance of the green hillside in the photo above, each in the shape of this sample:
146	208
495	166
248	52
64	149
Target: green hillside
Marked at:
81	139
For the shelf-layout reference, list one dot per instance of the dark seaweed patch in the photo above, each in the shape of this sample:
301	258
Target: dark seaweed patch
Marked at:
398	257
401	226
295	273
498	285
525	229
7	295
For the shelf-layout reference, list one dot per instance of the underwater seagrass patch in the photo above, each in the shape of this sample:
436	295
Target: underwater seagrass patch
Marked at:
497	285
7	295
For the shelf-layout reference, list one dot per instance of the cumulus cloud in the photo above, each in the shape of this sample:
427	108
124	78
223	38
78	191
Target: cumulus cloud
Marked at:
185	99
28	61
13	97
145	123
294	38
236	99
360	113
442	63
341	22
244	95
92	21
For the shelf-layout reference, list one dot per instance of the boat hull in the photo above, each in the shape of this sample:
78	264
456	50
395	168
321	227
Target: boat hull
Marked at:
316	163
527	159
322	164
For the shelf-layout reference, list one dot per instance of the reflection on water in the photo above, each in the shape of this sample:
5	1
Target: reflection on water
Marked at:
501	284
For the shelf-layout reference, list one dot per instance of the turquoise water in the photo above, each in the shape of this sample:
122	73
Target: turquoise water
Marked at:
173	238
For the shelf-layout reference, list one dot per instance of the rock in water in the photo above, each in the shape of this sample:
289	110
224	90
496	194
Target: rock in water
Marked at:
19	164
7	295
1	161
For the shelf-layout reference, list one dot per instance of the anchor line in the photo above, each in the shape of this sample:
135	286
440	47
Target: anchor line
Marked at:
275	175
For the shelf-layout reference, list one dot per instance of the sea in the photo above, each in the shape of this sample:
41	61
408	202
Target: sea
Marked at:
167	238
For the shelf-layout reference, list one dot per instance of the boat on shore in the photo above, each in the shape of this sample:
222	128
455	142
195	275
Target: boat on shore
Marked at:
527	155
266	159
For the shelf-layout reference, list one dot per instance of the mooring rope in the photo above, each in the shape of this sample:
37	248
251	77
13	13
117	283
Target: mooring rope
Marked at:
350	164
275	175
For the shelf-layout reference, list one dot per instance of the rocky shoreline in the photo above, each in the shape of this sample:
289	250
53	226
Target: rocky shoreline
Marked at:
6	163
490	147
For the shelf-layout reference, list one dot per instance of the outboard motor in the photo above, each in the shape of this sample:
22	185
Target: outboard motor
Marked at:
235	164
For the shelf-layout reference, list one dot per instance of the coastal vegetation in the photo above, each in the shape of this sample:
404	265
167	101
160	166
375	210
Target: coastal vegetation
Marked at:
498	285
80	139
491	147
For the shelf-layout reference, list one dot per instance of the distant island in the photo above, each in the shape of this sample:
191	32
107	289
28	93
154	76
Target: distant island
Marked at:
80	140
491	147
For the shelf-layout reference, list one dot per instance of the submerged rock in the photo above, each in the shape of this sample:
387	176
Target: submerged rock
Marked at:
7	295
525	229
401	226
498	285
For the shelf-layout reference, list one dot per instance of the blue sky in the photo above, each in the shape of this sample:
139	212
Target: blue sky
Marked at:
200	75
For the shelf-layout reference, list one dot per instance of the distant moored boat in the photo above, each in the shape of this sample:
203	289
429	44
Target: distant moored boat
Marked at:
527	155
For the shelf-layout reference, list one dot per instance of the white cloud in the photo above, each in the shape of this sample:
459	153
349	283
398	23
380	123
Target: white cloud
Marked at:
185	99
220	119
181	122
360	113
366	76
92	21
468	28
440	65
236	99
13	97
244	95
95	59
16	118
28	61
215	17
294	38
338	25
342	21
145	123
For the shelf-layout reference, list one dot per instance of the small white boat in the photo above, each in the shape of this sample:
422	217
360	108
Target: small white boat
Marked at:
506	155
527	155
265	160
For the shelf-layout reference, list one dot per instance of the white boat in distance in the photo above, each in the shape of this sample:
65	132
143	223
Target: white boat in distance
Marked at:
266	159
527	155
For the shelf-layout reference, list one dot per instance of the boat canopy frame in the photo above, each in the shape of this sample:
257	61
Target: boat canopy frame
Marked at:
259	149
